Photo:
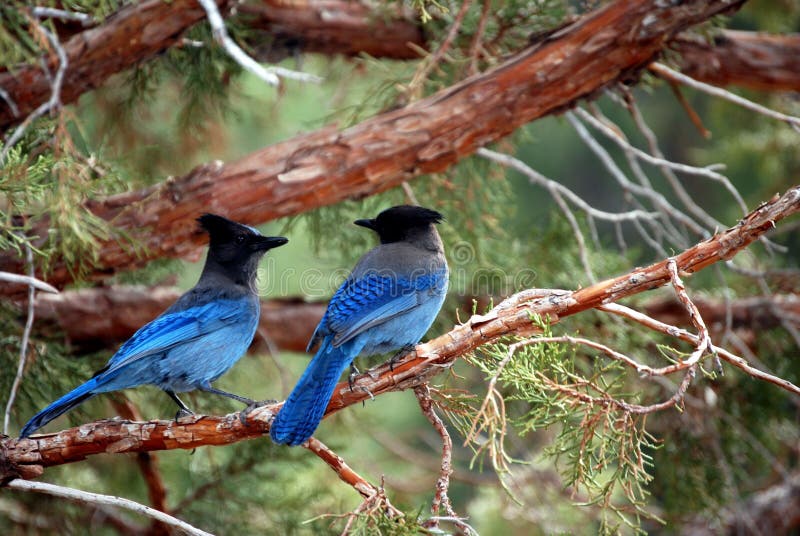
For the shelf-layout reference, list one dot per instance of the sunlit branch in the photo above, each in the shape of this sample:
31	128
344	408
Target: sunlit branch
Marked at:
29	457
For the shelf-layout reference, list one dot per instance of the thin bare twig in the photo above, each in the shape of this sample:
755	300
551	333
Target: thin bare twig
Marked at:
668	74
433	60
652	142
477	38
55	96
658	200
347	475
440	498
369	506
38	284
553	186
703	339
41	12
674	331
410	194
26	334
270	75
707	172
95	498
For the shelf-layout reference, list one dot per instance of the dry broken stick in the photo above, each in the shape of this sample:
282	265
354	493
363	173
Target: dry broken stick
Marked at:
29	457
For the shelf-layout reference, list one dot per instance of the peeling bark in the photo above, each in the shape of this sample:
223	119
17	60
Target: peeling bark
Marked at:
27	458
610	45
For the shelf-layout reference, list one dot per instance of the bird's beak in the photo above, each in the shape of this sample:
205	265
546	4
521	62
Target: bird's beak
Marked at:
369	224
268	242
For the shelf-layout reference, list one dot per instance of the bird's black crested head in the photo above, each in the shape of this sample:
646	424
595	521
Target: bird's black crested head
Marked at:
234	248
402	222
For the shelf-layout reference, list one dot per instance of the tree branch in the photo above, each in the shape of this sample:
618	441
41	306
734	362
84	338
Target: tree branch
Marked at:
98	318
95	499
332	27
747	59
28	457
138	32
134	34
321	168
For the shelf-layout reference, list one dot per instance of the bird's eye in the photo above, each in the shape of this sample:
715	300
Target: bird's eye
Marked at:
240	239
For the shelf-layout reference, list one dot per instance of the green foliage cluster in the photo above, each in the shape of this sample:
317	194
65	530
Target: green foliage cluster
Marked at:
602	451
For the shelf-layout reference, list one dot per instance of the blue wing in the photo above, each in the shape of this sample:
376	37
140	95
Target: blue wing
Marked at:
172	329
362	303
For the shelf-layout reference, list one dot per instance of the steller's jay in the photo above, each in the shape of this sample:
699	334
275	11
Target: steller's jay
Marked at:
196	340
387	303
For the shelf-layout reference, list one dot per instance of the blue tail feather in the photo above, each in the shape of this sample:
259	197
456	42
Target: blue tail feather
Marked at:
61	406
303	410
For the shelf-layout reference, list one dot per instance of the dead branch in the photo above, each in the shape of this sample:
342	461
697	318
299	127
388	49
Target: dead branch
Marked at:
28	458
324	167
747	59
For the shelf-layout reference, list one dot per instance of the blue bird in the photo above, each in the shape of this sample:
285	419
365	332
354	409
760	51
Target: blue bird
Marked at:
387	303
196	340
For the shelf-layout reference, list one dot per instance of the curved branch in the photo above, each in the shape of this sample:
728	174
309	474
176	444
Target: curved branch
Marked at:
28	457
322	168
110	500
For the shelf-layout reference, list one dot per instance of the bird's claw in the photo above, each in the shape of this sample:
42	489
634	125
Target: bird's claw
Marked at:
371	396
251	406
353	373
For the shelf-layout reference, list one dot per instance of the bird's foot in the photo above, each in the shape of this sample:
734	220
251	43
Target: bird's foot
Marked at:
251	406
371	396
183	412
400	355
353	373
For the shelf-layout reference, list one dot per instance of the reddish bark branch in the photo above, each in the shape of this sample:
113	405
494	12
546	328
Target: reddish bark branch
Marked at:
348	476
29	457
140	31
748	59
325	167
332	27
134	34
